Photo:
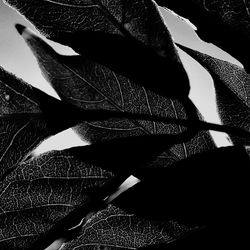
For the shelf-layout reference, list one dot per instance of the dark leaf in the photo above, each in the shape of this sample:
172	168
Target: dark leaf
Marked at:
128	155
206	189
125	156
91	86
27	116
133	60
141	46
112	228
40	192
232	86
222	22
205	238
196	239
217	202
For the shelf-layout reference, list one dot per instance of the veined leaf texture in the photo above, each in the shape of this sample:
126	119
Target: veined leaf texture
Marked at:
190	192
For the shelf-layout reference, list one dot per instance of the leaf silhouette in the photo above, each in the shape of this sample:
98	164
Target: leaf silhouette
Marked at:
91	86
178	184
139	63
135	152
232	85
128	231
124	157
203	238
139	30
41	191
222	22
27	116
194	193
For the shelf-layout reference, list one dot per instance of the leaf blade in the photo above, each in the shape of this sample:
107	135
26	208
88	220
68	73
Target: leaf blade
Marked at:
131	231
139	22
224	23
91	86
19	135
27	117
50	185
232	91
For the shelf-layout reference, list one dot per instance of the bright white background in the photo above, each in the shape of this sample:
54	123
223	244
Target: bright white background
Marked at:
16	57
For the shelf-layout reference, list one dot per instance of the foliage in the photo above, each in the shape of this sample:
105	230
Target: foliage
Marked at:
126	93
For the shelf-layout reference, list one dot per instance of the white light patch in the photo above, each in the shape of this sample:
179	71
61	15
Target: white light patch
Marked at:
248	150
181	18
57	244
61	141
128	183
27	33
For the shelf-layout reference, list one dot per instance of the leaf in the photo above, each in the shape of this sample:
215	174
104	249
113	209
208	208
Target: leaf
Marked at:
92	86
132	59
205	238
130	155
232	86
112	17
27	116
222	22
112	228
139	22
179	185
124	157
40	192
209	188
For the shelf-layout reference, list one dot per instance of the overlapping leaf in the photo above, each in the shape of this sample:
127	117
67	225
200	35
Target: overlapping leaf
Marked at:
27	116
225	23
222	187
42	191
112	228
212	205
45	189
140	21
185	204
232	85
89	85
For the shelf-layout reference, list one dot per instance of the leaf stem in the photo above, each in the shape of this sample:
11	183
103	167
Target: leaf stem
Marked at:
77	115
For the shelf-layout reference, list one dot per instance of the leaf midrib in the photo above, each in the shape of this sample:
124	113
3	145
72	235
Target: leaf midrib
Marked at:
110	101
88	5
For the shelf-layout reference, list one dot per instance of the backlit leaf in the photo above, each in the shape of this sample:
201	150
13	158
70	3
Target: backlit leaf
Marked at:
225	23
194	193
27	116
112	228
41	191
141	21
232	86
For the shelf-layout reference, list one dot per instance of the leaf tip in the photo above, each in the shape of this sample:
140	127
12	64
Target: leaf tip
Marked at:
25	32
20	28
